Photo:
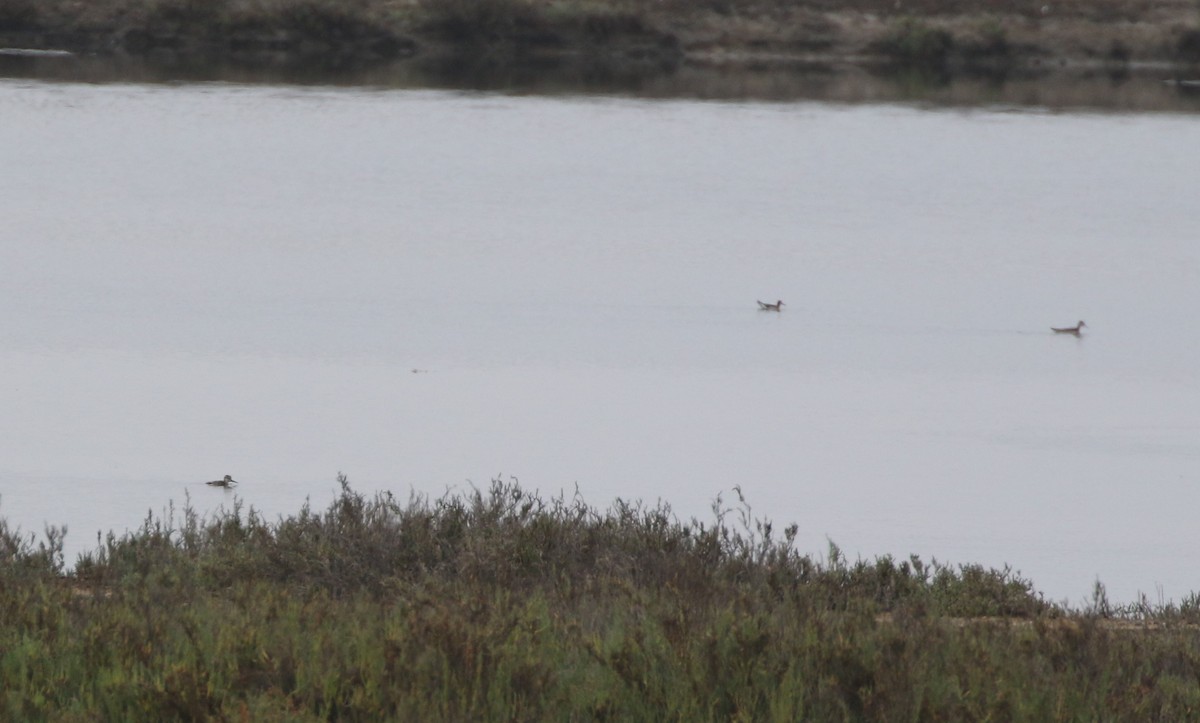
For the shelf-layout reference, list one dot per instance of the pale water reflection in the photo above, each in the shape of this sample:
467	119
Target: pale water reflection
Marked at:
214	279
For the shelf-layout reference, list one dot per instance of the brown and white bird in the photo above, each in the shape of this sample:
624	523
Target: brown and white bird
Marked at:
1069	329
777	306
227	482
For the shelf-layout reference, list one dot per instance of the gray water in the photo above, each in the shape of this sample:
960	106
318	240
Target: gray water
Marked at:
426	290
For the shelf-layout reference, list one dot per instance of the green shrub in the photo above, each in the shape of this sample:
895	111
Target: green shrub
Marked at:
914	42
19	15
476	21
1187	48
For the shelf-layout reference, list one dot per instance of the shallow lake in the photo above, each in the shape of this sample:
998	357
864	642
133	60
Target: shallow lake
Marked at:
427	289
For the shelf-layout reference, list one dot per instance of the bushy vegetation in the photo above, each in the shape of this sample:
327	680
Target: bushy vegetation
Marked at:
501	605
624	32
915	42
367	29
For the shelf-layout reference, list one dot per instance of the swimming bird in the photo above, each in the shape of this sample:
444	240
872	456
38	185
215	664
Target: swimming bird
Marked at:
777	306
227	482
1069	329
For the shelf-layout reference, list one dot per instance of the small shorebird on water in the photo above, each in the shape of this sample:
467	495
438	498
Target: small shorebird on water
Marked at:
227	482
1069	329
777	306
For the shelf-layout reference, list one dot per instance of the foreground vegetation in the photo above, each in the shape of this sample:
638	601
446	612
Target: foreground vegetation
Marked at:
501	605
998	34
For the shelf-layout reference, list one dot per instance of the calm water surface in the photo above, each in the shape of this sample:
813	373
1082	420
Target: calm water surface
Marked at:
423	288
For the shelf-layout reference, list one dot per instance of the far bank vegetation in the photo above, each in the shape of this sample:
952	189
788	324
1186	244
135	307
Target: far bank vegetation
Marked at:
995	33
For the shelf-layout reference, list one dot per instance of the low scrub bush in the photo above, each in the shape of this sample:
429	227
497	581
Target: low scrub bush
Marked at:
1187	47
500	604
475	21
19	15
914	42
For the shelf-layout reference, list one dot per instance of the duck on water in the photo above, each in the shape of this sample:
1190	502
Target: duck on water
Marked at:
1069	329
227	482
777	306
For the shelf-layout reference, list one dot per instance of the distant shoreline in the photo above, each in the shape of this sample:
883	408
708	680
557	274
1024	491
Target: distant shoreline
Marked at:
946	35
